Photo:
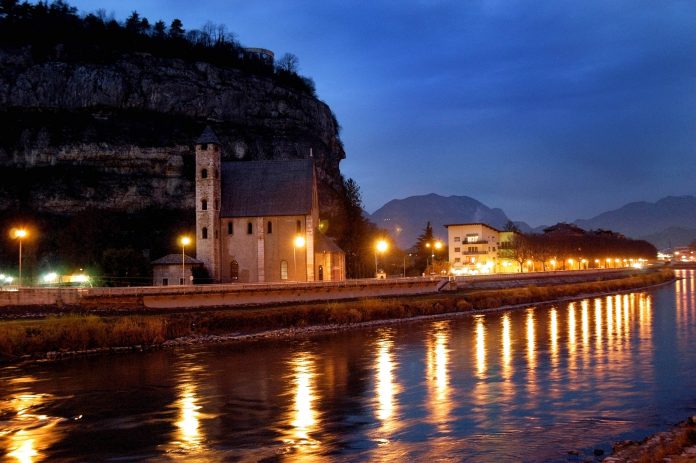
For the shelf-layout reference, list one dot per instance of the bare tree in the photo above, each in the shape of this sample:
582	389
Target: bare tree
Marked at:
288	62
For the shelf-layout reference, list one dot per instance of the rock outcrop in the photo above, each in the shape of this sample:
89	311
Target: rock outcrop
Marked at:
119	134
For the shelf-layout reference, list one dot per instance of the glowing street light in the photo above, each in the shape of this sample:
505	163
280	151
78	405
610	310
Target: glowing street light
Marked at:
380	247
185	241
298	242
19	234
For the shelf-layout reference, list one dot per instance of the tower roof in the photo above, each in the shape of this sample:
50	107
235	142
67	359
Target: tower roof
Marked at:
208	136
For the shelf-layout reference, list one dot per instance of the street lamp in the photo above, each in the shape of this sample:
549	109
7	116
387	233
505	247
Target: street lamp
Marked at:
20	234
298	242
185	241
381	246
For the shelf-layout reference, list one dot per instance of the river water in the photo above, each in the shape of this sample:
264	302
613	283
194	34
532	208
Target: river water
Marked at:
525	385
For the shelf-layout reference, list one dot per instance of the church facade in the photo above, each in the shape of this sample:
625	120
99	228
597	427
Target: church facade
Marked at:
257	221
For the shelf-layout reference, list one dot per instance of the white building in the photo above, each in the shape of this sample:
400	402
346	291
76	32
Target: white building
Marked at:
473	248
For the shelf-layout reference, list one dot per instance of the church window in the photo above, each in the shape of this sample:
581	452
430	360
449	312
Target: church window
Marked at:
204	173
250	228
270	227
230	229
204	233
217	174
204	204
204	146
299	226
283	269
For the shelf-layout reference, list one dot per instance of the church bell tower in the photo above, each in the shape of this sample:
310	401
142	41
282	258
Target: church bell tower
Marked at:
208	247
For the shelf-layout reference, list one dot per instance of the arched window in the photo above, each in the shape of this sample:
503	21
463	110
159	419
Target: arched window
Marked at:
250	229
204	204
270	227
230	229
299	226
204	173
283	269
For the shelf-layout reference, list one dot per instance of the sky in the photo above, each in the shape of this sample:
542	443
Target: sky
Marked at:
551	110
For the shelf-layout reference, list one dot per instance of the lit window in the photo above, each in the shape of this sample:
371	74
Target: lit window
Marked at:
283	269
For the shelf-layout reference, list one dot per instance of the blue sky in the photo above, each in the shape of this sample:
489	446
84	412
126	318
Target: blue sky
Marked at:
551	110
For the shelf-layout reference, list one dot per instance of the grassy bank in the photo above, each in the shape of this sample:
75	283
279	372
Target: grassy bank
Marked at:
69	333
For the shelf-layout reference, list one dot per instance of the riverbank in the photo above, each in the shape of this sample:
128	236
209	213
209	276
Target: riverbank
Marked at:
74	334
678	445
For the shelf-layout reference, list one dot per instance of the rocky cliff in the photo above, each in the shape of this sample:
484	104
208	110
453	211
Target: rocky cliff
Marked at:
119	134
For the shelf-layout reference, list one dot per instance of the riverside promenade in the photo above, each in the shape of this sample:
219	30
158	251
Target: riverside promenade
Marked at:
239	295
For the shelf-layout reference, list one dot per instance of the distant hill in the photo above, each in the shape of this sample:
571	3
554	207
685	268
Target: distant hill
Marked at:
406	218
671	237
670	218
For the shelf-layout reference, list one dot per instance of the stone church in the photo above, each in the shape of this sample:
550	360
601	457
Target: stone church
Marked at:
257	221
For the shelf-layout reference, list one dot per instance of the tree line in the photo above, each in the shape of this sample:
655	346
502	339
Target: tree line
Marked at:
56	31
566	243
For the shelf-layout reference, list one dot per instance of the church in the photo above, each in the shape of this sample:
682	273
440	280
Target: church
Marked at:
258	221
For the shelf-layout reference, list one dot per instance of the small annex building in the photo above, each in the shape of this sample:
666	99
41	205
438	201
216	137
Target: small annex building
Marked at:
257	221
170	270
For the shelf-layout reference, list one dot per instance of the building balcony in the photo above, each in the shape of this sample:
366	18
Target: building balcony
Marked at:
473	253
475	242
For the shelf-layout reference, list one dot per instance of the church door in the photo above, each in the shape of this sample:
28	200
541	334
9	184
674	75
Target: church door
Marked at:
321	272
234	270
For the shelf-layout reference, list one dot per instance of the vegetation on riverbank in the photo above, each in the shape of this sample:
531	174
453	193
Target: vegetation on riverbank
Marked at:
76	332
677	445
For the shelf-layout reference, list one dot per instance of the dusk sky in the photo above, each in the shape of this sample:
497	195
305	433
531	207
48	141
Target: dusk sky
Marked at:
551	110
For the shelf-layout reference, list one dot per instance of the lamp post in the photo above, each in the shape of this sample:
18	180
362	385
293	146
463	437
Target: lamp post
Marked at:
298	242
185	241
20	234
381	246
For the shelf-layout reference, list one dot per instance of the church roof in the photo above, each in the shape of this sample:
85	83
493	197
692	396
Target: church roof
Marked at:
170	259
208	136
266	188
323	243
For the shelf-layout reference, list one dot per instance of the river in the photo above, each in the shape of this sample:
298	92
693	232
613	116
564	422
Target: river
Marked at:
529	384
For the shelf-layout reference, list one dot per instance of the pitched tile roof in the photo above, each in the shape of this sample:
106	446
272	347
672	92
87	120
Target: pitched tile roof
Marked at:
266	188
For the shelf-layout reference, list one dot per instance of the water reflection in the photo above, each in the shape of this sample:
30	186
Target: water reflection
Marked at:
188	425
437	372
386	388
303	414
506	345
480	347
27	432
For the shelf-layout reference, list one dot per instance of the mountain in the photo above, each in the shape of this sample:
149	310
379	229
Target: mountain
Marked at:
670	218
671	237
405	219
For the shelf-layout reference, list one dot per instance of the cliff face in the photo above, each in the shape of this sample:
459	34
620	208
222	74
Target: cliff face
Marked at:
120	135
